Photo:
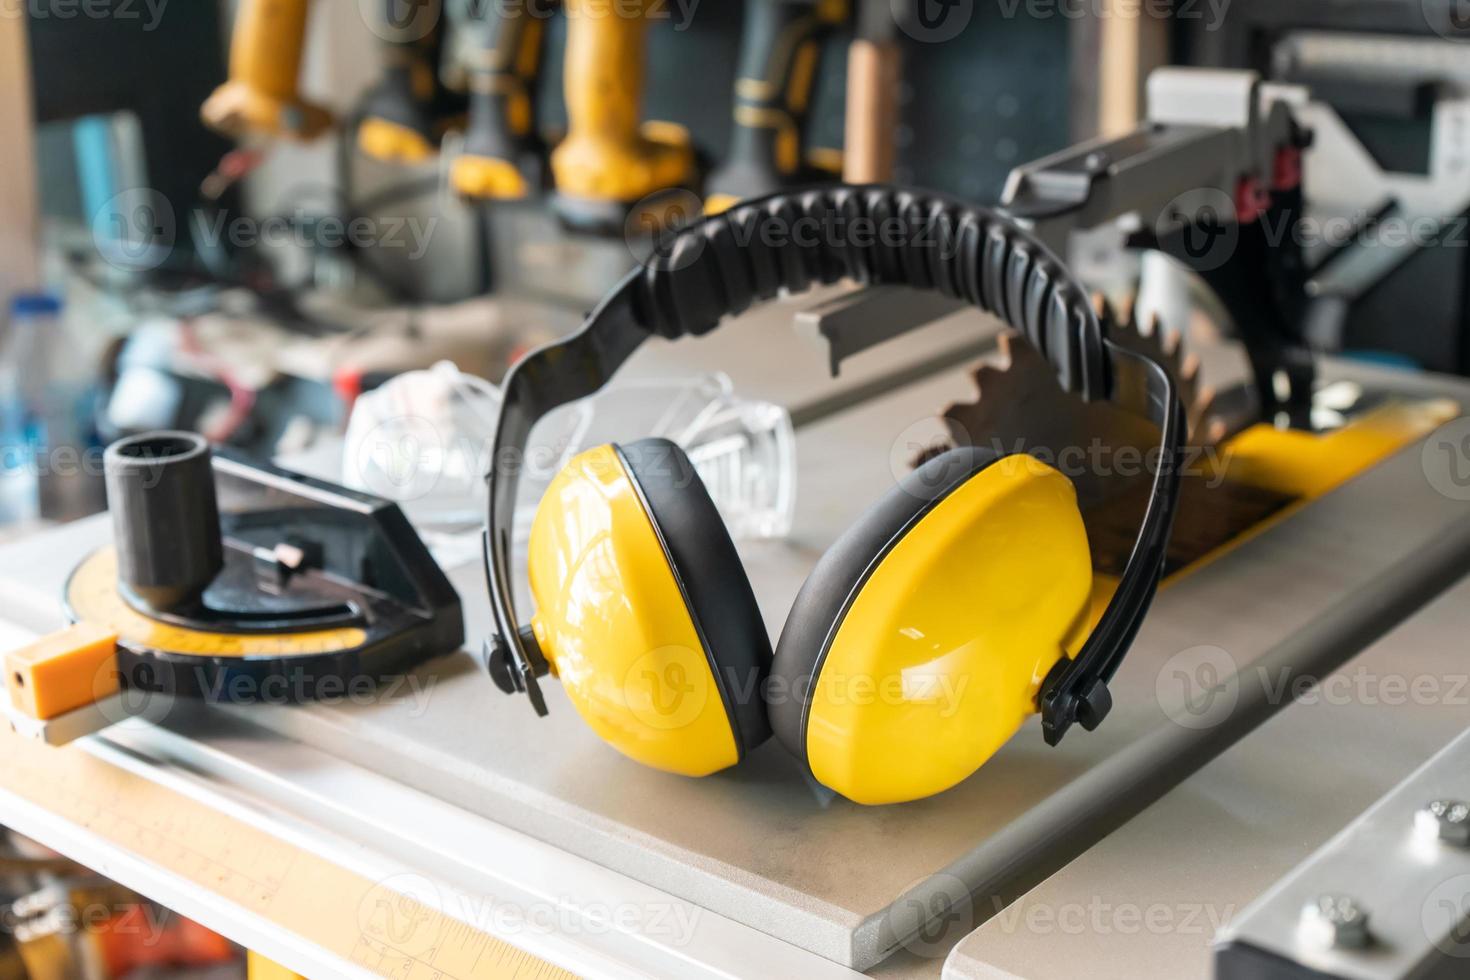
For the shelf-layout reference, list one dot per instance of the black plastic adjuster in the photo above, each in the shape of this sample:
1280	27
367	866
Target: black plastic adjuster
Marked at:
1094	706
1061	706
513	677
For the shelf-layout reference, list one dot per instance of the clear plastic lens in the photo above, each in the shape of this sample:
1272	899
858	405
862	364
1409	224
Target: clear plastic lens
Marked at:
745	452
425	440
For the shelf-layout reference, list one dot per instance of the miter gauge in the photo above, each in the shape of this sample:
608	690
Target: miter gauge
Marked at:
236	581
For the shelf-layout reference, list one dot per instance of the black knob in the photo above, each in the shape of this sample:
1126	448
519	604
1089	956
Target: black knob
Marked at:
165	518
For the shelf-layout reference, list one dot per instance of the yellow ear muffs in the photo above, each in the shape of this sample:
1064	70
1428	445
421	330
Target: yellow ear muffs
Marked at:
918	644
644	611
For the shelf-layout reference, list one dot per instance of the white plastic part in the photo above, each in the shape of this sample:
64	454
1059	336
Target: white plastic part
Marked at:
424	439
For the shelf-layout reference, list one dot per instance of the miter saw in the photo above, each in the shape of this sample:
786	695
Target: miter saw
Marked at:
1214	180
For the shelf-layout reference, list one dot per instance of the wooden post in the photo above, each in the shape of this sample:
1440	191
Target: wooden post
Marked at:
873	71
19	194
1115	53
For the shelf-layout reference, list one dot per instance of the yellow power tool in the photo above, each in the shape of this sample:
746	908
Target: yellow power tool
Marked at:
610	160
499	52
410	108
261	96
780	54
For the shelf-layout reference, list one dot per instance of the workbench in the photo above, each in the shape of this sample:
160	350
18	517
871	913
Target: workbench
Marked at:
532	833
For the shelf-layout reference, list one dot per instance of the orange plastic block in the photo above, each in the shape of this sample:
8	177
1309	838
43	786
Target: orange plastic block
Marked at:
63	671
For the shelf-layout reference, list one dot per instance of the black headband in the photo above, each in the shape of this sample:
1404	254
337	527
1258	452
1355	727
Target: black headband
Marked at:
790	242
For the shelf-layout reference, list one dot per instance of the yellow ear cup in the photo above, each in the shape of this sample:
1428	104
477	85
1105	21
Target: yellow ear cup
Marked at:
662	665
919	644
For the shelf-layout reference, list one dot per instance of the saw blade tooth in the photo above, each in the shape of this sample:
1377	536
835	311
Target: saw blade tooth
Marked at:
1106	315
1129	314
1005	343
1189	368
1169	341
1198	412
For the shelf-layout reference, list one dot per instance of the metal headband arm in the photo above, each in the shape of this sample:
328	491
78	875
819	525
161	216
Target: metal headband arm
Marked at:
1076	690
1025	285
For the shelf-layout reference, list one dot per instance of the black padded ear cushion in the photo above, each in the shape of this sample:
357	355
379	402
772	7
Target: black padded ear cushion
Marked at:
712	579
835	581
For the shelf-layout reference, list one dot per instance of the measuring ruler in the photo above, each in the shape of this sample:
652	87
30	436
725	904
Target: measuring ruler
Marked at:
390	927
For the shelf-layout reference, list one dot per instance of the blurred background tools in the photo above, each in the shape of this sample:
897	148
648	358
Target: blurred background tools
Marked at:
407	113
261	95
254	292
611	158
780	52
498	52
63	922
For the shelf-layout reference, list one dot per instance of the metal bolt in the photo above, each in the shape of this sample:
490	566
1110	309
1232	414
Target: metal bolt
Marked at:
1335	922
1446	820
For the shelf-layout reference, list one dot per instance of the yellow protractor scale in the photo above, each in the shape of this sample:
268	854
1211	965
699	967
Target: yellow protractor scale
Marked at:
92	596
236	580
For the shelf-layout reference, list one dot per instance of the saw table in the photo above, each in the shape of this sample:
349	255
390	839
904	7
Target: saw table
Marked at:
531	839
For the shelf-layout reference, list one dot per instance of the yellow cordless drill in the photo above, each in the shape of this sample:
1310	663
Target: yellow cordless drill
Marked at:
779	56
407	112
261	96
498	54
610	160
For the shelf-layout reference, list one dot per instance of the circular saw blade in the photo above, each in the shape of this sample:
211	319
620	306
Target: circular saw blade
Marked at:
1020	404
1020	407
1167	349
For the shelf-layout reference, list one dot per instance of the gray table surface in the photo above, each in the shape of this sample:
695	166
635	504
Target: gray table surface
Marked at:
761	845
1147	901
